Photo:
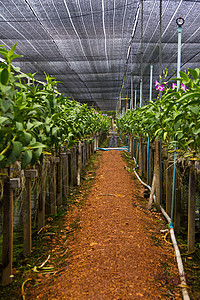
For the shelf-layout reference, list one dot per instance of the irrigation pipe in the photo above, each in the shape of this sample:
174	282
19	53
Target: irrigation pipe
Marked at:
183	284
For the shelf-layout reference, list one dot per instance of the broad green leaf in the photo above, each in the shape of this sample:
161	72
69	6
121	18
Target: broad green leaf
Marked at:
185	77
5	88
38	152
196	131
4	76
11	159
27	137
17	147
194	74
26	158
5	105
19	126
195	109
3	120
36	145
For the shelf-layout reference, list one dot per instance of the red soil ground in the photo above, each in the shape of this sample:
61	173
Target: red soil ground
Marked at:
118	252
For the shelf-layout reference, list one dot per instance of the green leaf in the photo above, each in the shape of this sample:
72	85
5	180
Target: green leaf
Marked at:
11	159
164	135
5	88
19	126
38	152
27	137
194	74
3	119
4	76
12	50
5	105
196	131
195	109
26	158
17	147
37	145
177	124
185	77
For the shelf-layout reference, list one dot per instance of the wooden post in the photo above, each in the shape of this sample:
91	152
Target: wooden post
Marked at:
27	238
130	145
191	209
74	159
158	174
7	252
60	178
65	178
169	179
177	211
42	196
79	163
52	186
150	164
95	143
140	163
83	146
145	159
71	180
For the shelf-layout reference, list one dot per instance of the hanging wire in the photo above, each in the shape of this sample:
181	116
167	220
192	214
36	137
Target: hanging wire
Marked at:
160	41
141	54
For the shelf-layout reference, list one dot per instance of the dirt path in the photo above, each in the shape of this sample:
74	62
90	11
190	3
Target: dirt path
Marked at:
118	253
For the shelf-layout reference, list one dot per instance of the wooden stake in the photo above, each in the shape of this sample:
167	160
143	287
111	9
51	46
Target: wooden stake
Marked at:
140	163
52	187
60	179
177	211
42	197
191	209
71	180
169	179
27	211
158	174
7	253
79	163
152	192
65	178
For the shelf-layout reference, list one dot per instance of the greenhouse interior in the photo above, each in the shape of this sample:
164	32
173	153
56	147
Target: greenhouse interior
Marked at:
100	149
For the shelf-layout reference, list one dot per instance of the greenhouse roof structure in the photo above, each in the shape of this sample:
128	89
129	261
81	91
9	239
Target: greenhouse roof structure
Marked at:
93	46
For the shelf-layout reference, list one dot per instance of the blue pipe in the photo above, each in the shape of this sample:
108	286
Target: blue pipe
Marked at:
173	190
134	147
137	153
148	160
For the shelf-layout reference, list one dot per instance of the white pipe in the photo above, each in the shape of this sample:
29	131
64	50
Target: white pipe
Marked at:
175	245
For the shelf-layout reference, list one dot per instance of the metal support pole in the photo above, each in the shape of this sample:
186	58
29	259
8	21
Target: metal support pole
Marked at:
135	99
179	56
131	104
151	81
141	93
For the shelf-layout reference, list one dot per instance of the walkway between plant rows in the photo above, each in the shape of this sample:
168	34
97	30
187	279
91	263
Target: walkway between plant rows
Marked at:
118	252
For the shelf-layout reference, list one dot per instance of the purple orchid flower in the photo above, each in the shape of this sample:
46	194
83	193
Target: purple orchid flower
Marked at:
174	86
184	87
